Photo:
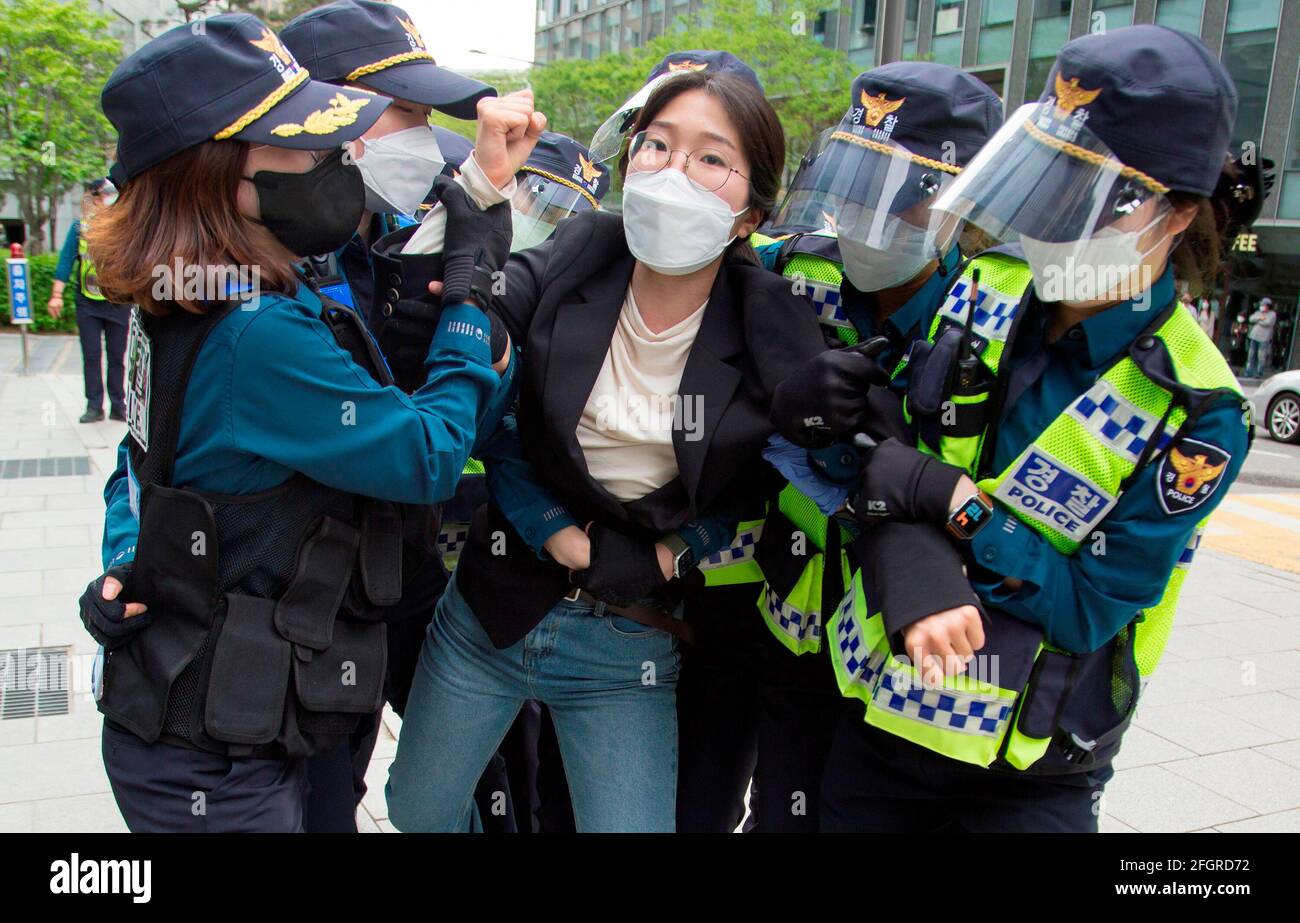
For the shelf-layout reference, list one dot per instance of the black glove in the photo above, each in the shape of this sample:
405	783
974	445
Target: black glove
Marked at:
622	570
476	244
106	619
825	401
904	483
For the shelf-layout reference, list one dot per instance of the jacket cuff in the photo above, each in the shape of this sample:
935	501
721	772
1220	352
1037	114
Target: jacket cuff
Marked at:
1007	547
480	188
463	328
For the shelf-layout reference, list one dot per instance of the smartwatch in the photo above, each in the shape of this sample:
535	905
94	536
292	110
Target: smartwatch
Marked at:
973	514
683	554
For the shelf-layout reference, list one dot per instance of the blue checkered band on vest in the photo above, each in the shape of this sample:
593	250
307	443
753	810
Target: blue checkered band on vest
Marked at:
825	298
994	311
452	538
862	663
741	549
796	624
1189	552
942	707
1116	420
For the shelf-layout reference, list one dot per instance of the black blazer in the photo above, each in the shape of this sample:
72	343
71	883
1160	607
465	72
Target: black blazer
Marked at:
561	303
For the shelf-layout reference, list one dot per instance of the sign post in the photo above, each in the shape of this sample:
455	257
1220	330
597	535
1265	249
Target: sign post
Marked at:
20	294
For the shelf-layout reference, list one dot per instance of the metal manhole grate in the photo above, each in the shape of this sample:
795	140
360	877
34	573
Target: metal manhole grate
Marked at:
64	466
34	681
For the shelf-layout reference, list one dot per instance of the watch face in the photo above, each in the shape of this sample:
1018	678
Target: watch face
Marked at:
967	520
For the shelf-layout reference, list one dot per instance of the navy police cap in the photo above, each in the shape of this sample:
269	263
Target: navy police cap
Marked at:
1157	97
934	111
714	62
377	44
560	158
219	78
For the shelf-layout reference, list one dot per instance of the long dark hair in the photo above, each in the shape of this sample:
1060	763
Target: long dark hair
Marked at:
761	136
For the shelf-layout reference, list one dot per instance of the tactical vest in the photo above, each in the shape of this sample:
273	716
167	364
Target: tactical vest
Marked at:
792	555
266	640
1007	712
88	278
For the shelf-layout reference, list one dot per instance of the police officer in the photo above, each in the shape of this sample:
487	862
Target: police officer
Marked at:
101	324
376	47
248	567
858	233
1076	428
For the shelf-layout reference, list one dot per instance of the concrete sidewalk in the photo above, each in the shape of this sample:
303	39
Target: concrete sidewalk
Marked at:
1216	742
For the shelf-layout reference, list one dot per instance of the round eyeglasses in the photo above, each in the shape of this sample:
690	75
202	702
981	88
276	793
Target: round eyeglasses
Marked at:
706	167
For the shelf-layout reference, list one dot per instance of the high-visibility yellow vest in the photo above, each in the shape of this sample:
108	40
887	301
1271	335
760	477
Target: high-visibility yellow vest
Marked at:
972	718
86	275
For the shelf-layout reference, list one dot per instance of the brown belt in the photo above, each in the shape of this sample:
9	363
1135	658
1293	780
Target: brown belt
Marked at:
639	613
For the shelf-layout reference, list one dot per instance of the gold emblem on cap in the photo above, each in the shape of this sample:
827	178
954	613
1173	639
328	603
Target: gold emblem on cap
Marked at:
590	172
413	32
1070	96
878	107
677	66
341	113
269	43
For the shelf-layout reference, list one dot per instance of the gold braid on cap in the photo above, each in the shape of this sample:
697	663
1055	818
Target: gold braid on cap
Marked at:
893	151
1092	157
262	108
563	182
389	62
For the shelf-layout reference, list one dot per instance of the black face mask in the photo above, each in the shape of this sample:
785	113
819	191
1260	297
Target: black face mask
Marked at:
315	212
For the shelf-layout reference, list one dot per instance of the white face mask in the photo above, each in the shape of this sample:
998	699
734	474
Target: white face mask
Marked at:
872	270
1110	265
528	231
673	226
399	169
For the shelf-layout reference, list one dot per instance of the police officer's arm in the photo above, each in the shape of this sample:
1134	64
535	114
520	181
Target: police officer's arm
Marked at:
1082	600
63	270
298	399
121	529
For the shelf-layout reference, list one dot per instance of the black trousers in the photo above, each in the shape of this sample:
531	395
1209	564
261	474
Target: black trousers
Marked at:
338	776
798	702
717	708
160	788
109	326
878	783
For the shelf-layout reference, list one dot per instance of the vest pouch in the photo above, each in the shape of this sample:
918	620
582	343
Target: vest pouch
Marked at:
249	676
348	676
380	557
175	575
306	611
1039	711
931	369
775	554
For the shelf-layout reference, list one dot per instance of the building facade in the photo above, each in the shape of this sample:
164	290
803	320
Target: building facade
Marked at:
1010	44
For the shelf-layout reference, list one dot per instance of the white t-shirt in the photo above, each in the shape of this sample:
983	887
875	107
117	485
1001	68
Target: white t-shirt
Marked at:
626	429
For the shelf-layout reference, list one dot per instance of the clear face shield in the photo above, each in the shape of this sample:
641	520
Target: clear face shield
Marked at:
876	197
608	139
538	205
1091	227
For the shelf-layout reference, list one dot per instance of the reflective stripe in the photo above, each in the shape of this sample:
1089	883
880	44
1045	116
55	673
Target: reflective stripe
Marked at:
740	549
994	310
1189	550
452	538
799	627
825	298
1116	421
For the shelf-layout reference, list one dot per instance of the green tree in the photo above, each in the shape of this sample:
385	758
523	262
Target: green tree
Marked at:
54	60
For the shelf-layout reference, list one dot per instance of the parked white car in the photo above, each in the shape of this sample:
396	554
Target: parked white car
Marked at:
1277	406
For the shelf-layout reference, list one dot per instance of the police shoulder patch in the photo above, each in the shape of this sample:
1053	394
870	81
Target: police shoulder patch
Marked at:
1189	474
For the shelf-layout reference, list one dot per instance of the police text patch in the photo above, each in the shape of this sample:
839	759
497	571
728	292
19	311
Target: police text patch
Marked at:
1042	488
1189	475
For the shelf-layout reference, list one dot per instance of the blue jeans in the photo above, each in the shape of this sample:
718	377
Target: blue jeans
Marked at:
1255	359
609	682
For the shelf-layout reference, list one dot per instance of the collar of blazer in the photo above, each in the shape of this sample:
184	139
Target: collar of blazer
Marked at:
584	326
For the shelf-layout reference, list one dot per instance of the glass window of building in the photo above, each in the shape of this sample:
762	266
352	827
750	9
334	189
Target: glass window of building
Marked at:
1248	44
862	34
1289	206
996	19
1180	14
1110	14
633	9
949	21
911	19
1051	30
